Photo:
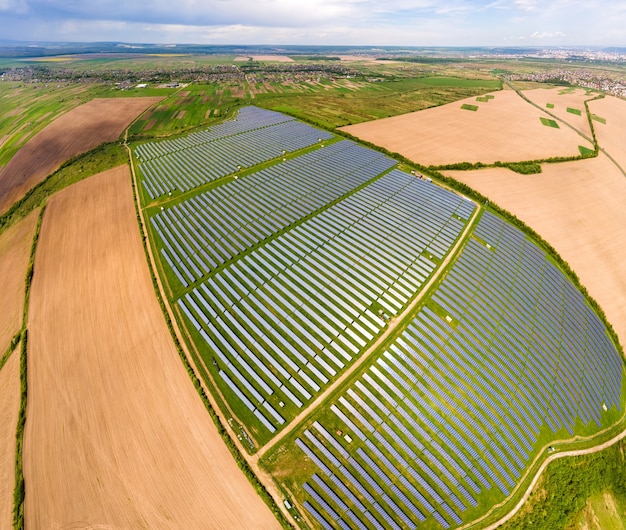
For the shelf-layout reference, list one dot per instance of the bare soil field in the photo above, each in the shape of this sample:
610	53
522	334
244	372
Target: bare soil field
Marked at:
506	128
578	207
15	245
562	100
116	435
612	134
266	58
73	133
9	407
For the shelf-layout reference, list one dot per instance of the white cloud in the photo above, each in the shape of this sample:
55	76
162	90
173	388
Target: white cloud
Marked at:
18	7
363	22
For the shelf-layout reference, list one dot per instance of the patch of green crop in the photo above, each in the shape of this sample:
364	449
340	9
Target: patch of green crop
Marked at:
576	112
585	151
549	123
550	105
599	119
467	106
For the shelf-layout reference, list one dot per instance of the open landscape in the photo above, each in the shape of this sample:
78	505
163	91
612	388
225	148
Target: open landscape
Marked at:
567	104
312	287
9	406
73	133
122	421
503	128
609	117
15	245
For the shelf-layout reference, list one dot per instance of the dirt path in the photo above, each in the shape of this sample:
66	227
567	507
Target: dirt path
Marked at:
391	328
9	407
15	245
116	434
543	467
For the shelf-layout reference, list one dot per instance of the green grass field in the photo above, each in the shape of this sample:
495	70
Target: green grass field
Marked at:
26	108
467	106
328	104
576	112
549	122
550	105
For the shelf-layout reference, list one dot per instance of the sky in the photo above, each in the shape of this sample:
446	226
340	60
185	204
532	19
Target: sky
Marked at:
320	22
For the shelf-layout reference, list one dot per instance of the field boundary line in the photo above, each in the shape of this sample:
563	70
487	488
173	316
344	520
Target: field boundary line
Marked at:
393	325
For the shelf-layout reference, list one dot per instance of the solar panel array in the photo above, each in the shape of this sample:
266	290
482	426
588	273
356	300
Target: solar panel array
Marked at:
454	407
254	136
285	319
242	213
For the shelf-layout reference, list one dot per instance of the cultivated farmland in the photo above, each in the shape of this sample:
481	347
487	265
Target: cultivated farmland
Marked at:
9	406
116	434
584	198
73	133
610	125
562	100
286	276
506	128
15	246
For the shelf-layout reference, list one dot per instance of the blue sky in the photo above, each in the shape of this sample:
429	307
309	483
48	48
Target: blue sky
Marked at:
332	22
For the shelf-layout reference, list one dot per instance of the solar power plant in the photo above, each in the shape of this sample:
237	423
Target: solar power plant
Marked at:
285	277
454	407
254	136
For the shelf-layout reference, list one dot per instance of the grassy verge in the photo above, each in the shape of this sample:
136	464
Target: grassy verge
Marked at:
19	491
104	157
565	487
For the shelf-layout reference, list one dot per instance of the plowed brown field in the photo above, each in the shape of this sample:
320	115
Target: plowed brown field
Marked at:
612	135
562	100
9	407
77	131
507	129
578	207
116	435
15	245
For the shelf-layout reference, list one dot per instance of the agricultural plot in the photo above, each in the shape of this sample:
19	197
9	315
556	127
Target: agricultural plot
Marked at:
506	129
610	126
112	413
504	357
79	130
15	245
255	136
567	106
9	407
